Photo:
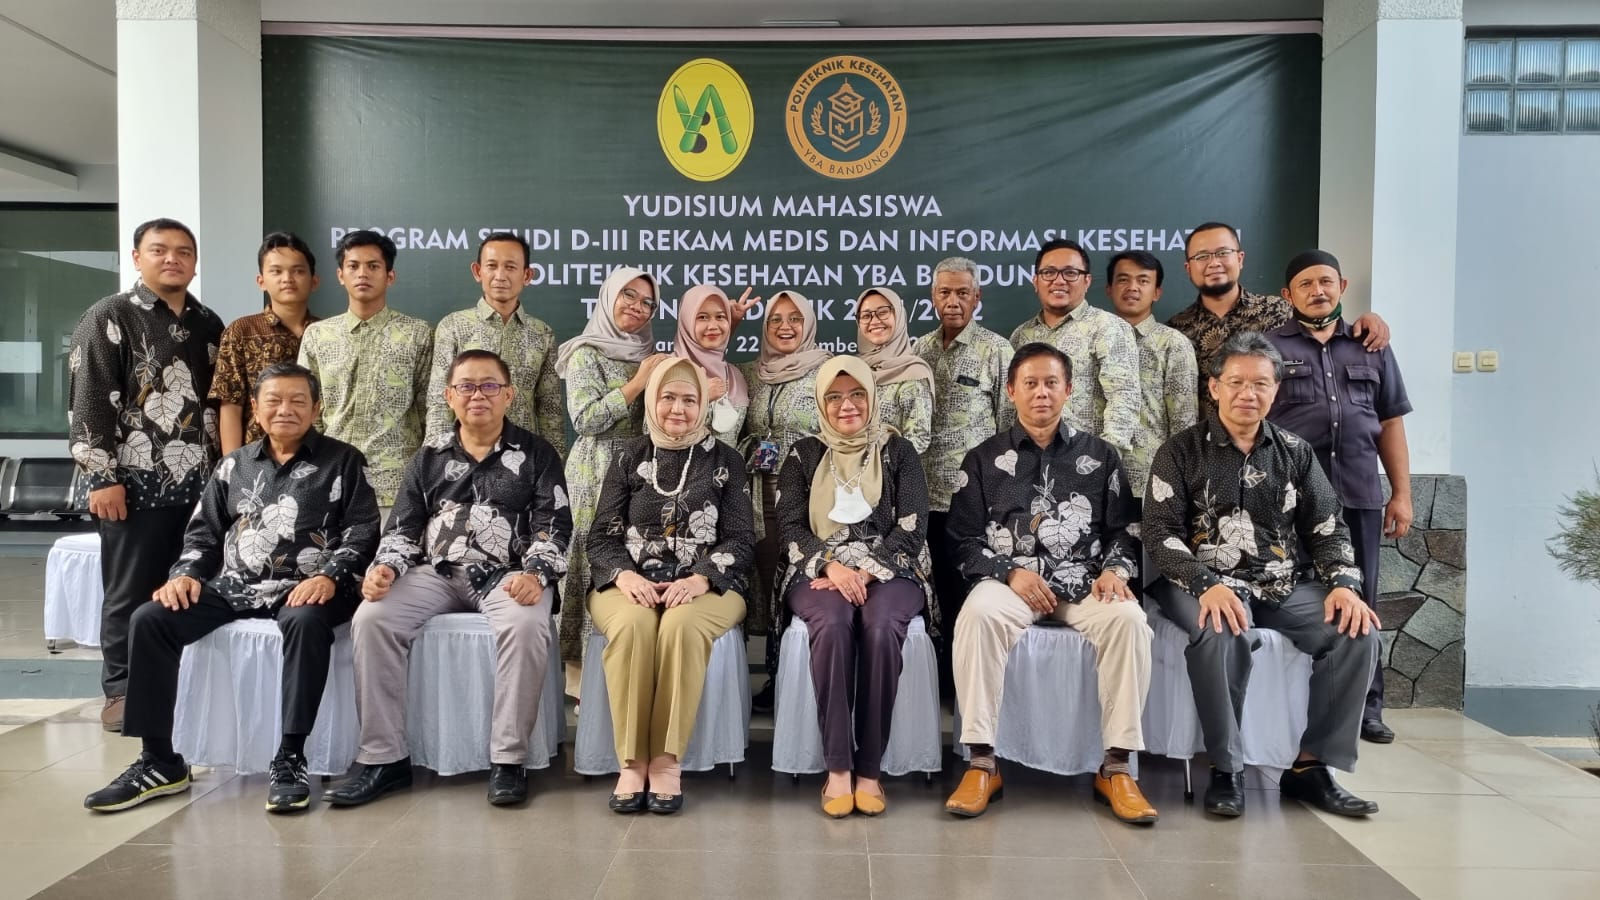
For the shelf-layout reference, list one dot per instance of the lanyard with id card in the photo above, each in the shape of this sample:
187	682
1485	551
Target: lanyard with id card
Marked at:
764	456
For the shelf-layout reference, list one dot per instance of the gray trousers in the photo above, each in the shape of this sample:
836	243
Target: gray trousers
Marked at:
383	630
1219	671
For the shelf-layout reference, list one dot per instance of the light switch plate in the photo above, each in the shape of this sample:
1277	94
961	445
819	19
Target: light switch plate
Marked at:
1488	361
1463	361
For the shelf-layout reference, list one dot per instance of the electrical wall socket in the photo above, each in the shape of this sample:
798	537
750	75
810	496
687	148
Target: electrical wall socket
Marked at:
1488	361
1463	361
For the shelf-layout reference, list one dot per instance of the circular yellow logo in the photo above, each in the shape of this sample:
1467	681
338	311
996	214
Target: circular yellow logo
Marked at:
705	119
846	117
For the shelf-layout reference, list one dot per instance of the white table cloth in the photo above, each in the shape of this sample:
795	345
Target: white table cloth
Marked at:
913	731
73	590
721	726
451	697
229	711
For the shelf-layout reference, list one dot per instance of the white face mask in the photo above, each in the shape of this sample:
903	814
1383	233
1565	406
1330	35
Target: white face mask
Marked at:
723	415
849	506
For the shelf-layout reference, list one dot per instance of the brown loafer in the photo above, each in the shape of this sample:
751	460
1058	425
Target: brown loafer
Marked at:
972	797
111	714
1122	794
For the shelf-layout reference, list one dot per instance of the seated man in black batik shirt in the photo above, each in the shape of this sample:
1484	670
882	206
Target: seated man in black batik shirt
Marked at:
1230	500
286	527
481	524
1039	521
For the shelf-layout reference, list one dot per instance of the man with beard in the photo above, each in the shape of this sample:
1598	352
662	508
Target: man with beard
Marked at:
1214	261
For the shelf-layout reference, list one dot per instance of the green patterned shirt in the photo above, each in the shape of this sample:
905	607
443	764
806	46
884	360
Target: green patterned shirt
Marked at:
1105	370
374	376
528	347
1167	377
969	402
907	407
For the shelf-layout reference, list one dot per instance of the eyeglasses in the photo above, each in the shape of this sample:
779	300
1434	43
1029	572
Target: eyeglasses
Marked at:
857	398
486	388
795	319
1222	255
1068	274
637	300
880	314
1258	388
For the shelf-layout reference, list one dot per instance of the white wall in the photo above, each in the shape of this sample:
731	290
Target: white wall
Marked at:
1529	13
1528	435
96	184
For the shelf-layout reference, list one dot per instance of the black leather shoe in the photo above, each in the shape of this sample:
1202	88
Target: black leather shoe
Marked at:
1225	795
1317	787
1375	731
508	784
627	804
665	804
372	782
766	698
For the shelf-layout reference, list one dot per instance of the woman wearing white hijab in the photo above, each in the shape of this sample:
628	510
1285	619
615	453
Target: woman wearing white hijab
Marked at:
905	382
606	369
783	409
854	519
670	551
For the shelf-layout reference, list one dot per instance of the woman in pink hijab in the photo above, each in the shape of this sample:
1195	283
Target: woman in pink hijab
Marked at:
705	327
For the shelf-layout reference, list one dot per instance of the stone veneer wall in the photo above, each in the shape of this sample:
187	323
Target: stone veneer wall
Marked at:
1423	598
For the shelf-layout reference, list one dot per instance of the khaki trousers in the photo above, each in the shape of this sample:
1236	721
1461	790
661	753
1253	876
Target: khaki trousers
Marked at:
655	662
992	621
383	630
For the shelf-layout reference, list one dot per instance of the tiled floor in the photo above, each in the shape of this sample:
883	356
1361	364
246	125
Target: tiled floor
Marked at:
1467	813
22	606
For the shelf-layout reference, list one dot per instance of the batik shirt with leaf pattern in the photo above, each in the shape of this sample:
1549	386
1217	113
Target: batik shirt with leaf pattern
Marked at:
1214	515
262	528
706	528
1062	512
891	542
504	513
139	377
374	376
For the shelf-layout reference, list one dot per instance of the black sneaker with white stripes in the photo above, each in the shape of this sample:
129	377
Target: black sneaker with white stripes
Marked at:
291	786
147	779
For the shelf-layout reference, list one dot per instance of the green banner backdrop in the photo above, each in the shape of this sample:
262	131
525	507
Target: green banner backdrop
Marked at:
824	168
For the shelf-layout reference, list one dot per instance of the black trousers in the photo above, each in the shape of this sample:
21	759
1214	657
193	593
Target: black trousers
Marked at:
1366	529
135	555
950	590
158	636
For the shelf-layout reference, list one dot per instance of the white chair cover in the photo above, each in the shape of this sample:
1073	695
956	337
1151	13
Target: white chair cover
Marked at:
229	710
1274	705
1050	705
721	726
74	591
913	732
450	690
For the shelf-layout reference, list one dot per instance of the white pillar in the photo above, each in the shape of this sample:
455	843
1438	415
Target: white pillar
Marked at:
1391	136
189	135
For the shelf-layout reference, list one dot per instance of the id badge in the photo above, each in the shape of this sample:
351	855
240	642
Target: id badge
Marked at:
765	456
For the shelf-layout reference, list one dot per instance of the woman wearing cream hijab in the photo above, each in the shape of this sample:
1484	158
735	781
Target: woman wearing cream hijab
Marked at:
853	521
670	551
905	382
